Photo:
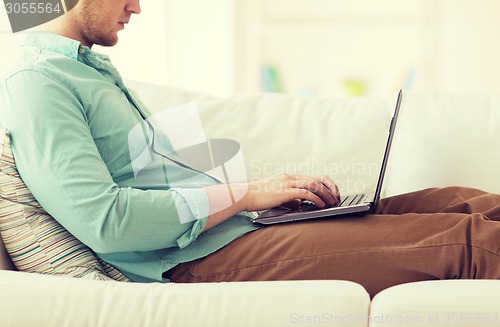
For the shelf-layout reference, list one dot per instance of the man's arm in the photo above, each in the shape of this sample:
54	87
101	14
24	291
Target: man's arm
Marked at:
60	164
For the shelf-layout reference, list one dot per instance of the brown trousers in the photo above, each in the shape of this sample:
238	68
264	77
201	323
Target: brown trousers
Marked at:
432	234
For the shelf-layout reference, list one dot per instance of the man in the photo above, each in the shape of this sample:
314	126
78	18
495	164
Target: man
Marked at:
71	143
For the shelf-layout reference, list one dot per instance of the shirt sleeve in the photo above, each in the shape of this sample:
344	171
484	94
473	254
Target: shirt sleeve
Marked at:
192	206
58	159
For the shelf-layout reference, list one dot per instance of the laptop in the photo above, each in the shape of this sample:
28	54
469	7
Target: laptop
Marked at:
356	204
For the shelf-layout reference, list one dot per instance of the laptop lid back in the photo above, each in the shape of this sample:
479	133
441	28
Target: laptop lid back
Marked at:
392	128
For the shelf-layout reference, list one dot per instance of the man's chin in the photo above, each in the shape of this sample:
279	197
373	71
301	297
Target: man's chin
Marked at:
108	41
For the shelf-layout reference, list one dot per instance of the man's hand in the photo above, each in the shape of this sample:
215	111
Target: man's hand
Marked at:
267	193
290	190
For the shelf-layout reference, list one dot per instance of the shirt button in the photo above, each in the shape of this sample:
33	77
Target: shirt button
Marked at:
82	50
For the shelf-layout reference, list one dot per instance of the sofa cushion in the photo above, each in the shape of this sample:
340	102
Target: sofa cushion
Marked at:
446	140
464	303
35	241
77	302
343	138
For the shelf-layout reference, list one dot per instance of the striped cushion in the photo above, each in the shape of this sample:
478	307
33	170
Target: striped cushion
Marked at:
35	241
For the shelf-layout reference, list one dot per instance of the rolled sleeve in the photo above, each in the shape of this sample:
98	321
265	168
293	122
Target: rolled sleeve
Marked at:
192	206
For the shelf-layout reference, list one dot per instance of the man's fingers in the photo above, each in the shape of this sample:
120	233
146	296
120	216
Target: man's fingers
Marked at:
315	191
334	190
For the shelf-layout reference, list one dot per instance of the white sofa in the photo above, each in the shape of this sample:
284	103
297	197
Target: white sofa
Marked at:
441	140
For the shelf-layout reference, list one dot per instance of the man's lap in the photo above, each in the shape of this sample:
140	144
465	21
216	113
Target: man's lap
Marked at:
379	250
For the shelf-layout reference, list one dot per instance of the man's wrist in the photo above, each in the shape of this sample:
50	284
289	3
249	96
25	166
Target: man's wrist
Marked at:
225	201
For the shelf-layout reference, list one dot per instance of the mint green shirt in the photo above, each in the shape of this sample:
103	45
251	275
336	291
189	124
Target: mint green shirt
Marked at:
70	115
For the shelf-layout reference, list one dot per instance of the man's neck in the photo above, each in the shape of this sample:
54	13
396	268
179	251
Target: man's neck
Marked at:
64	26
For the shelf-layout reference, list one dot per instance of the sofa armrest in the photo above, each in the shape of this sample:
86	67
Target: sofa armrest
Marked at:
41	300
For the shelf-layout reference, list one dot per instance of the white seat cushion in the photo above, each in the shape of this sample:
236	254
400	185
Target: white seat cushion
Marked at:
89	303
457	303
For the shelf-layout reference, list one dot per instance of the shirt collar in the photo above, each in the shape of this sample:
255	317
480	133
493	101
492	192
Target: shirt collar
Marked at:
73	49
54	43
61	45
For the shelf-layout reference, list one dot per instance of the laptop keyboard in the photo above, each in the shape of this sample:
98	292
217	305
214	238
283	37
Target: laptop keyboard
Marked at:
352	200
344	201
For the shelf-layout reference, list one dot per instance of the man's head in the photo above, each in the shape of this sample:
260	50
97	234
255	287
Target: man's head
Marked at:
97	21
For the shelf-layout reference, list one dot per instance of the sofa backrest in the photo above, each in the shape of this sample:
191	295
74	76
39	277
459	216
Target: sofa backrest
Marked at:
446	140
340	137
441	139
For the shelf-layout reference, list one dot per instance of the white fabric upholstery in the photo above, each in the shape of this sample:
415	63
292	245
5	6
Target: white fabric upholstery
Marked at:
340	137
441	139
39	300
445	140
457	303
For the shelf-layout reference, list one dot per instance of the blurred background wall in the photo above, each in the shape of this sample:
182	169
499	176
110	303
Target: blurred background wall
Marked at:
308	47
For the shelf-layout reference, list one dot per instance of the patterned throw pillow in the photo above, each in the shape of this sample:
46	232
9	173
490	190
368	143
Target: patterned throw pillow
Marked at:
35	241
